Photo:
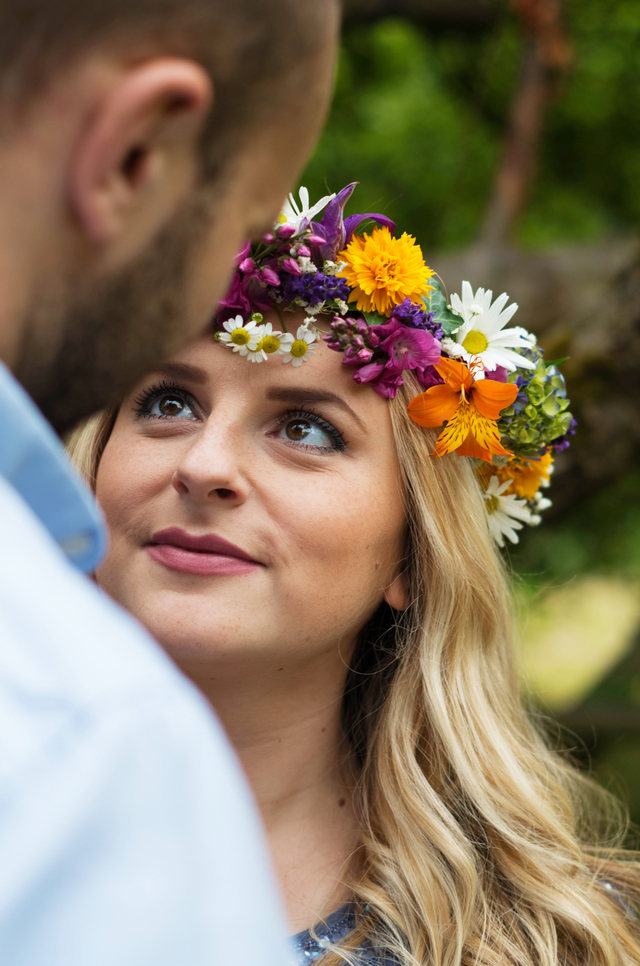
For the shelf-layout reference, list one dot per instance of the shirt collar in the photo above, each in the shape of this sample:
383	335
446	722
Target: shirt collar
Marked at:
34	462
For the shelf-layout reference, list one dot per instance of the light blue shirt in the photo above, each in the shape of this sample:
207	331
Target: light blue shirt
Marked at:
127	834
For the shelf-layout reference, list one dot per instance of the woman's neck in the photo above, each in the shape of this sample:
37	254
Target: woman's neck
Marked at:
284	723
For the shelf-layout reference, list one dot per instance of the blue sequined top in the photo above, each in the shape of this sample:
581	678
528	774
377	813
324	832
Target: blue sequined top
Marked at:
339	924
332	930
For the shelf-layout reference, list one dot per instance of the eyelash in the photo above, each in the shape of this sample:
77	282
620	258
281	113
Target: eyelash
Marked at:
338	438
148	396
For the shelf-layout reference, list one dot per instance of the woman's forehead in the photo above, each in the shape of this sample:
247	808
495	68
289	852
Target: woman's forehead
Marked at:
219	366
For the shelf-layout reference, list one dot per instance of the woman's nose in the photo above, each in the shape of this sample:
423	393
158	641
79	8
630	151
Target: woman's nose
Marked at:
210	472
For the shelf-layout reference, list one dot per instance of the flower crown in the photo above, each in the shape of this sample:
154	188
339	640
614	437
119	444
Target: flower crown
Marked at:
487	385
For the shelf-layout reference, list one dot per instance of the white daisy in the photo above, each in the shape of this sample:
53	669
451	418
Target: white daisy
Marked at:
240	336
294	214
301	347
269	343
506	514
482	334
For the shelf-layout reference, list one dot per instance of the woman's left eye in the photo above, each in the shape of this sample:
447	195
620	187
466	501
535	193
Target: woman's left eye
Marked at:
312	433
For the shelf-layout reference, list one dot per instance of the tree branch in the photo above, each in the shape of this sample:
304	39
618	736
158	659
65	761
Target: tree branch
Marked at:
547	56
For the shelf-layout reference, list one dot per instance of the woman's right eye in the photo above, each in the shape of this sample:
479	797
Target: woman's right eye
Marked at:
164	405
171	406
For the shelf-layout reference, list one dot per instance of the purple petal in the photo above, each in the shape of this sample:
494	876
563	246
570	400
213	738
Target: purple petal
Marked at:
291	266
332	226
353	221
247	265
270	277
369	372
499	374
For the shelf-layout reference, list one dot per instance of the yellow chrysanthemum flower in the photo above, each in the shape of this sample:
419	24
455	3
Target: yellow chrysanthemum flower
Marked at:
526	476
383	271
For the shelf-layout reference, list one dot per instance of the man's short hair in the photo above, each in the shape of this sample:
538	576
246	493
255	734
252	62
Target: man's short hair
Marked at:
249	47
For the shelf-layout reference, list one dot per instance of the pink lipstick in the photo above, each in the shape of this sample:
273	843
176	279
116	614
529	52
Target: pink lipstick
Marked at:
208	555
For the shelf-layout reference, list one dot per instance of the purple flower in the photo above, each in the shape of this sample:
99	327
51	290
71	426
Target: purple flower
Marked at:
408	348
270	277
561	443
247	291
386	381
291	266
331	226
429	377
337	229
499	374
354	221
236	301
350	336
415	315
313	288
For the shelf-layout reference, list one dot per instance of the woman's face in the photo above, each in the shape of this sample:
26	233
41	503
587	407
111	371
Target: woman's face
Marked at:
254	510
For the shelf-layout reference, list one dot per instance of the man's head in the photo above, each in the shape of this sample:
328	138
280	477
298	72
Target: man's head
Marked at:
141	142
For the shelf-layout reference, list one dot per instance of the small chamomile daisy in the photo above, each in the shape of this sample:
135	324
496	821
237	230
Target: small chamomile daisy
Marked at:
269	343
301	347
240	336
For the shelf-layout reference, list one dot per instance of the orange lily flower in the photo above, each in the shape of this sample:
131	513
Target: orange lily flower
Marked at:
470	407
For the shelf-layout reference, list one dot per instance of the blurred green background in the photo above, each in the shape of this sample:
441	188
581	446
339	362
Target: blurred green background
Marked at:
419	119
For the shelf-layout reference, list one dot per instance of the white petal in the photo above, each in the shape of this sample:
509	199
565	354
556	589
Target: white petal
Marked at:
508	338
512	507
456	305
518	361
507	526
467	294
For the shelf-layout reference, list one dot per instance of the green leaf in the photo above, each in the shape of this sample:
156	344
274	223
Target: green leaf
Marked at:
557	362
372	318
435	302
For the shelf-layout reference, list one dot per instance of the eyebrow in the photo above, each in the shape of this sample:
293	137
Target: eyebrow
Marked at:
181	370
310	396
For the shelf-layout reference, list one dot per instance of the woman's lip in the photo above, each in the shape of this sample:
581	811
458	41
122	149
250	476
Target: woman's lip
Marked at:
196	562
207	543
205	555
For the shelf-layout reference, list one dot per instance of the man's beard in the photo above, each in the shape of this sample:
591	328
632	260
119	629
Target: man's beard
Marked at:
113	332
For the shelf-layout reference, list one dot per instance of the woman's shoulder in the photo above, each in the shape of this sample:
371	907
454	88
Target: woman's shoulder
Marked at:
310	945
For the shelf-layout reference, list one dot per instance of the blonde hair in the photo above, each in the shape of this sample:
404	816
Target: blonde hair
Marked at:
480	845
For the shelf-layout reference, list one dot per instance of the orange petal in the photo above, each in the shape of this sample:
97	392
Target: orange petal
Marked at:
471	447
432	407
455	373
486	433
491	397
455	432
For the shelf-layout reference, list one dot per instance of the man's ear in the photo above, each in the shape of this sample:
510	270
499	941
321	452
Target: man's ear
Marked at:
396	594
136	157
